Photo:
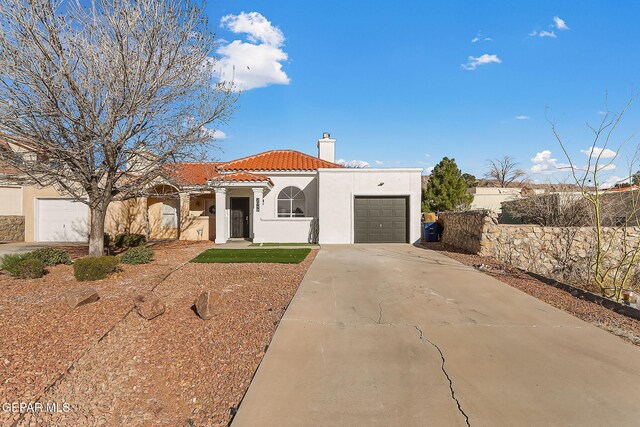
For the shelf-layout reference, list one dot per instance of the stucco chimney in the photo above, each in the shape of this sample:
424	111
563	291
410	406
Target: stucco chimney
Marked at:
327	148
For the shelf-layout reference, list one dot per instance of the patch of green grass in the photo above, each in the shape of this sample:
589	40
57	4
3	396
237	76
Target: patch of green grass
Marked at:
279	256
283	244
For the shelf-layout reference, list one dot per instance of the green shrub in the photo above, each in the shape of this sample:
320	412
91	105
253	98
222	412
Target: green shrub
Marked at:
106	239
23	266
129	240
50	256
137	255
11	263
30	268
94	268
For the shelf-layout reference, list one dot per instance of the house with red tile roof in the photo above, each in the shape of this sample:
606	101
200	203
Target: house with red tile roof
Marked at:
277	196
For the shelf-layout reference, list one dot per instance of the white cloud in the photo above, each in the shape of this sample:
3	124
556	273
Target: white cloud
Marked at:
522	117
544	163
543	33
481	38
256	26
257	62
473	62
613	180
359	164
559	23
214	133
378	162
599	152
429	169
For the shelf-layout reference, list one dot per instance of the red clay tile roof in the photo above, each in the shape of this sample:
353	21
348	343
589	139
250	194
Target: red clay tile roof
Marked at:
200	173
243	177
275	160
193	173
278	160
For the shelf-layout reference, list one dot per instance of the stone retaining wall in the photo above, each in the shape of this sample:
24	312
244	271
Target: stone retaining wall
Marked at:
567	252
11	228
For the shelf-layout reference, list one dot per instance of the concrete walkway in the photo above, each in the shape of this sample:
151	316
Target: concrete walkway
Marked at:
396	335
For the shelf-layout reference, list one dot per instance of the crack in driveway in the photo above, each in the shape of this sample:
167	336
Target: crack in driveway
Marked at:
444	371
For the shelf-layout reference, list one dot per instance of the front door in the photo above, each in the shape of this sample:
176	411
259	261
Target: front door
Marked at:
240	217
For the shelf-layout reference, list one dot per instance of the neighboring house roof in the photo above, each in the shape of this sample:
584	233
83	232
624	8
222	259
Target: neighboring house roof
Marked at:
278	160
193	173
621	189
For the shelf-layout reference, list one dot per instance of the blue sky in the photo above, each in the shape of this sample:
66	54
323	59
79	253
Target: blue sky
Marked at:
404	84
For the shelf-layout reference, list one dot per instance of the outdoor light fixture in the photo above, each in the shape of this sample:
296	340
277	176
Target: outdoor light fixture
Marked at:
257	204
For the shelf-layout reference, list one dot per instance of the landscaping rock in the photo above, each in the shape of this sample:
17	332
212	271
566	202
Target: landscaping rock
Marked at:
149	305
82	296
205	305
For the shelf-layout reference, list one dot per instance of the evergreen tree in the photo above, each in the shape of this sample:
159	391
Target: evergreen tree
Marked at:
470	180
447	189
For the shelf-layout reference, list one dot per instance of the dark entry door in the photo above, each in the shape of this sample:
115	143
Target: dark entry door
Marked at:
380	220
240	217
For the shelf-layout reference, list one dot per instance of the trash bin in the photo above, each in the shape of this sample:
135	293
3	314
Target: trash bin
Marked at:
430	233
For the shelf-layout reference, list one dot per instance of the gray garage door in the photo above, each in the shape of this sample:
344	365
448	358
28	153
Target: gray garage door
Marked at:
380	220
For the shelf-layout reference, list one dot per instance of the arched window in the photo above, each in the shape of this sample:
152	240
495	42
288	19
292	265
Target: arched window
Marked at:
291	203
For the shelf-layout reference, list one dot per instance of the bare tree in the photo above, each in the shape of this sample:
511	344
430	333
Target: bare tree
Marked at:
505	171
550	210
97	97
617	250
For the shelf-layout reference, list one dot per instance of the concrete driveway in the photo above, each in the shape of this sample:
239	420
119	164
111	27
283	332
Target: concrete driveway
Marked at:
398	335
22	247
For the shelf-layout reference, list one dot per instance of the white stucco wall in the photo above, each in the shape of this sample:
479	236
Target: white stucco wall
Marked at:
337	189
287	230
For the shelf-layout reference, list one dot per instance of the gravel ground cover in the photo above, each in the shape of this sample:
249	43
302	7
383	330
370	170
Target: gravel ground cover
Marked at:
618	324
41	336
178	369
283	256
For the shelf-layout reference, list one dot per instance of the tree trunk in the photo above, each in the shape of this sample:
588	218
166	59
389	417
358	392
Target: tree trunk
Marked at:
96	236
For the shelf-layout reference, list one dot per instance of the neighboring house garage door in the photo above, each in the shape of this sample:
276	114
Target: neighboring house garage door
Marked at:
61	220
380	220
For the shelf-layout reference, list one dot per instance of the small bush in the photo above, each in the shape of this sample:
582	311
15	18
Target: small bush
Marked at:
11	263
50	256
30	268
94	268
106	239
137	255
23	266
129	240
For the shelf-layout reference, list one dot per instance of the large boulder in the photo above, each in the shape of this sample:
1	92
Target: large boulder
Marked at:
82	296
149	305
205	305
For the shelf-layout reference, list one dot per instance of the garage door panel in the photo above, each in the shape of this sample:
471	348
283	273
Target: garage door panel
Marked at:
380	220
62	220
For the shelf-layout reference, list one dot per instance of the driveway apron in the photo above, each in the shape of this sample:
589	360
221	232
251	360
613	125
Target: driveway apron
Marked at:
383	335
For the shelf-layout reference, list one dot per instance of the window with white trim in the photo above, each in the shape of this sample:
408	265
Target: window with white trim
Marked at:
291	203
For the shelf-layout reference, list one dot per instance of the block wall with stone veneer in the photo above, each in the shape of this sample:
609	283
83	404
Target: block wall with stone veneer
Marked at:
11	228
543	250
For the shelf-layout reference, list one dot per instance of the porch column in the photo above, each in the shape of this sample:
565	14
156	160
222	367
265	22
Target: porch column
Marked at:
221	215
184	213
257	215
